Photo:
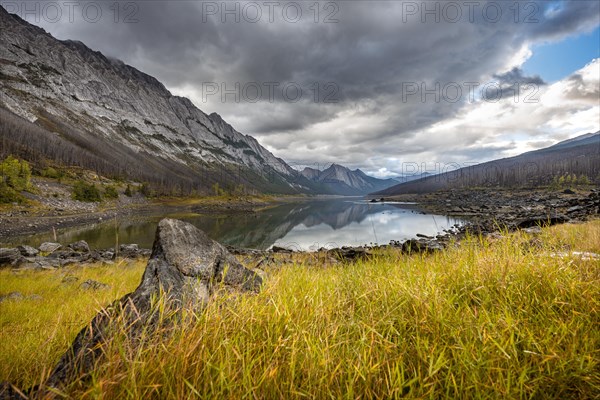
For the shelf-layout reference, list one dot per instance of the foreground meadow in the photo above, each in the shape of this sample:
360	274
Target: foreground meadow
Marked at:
509	317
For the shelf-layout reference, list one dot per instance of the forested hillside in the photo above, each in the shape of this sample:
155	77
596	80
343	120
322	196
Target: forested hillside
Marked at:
577	158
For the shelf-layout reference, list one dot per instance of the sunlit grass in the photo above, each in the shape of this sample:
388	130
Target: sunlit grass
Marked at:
502	318
38	328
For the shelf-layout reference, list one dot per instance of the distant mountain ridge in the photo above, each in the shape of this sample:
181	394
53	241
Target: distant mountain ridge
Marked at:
578	156
343	181
83	108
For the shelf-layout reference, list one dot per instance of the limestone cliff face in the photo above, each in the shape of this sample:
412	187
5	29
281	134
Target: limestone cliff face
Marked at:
120	104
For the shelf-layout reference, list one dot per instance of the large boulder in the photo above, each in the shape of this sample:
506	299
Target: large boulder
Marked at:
186	265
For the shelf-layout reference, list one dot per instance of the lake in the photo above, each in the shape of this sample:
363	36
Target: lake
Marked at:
305	225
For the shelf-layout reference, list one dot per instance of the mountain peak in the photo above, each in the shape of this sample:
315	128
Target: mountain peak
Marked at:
342	180
336	165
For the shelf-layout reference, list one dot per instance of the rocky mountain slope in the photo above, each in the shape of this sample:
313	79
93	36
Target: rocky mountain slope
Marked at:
125	121
341	180
579	156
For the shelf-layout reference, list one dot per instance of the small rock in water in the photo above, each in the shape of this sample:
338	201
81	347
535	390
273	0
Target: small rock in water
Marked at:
420	235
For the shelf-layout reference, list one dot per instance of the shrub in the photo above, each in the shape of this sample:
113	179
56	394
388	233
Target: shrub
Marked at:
145	190
128	191
86	192
110	192
52	173
8	194
16	173
15	176
218	190
583	180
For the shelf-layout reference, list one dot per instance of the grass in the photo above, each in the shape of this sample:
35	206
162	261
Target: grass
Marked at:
501	318
36	330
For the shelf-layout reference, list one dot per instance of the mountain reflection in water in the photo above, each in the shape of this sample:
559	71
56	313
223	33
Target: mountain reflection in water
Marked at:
304	225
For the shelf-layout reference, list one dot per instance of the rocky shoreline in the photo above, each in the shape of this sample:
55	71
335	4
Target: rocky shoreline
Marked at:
21	221
488	212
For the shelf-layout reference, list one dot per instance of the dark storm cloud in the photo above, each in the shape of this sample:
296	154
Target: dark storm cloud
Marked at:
515	75
513	83
394	65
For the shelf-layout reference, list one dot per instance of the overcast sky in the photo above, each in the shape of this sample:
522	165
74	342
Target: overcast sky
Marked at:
376	85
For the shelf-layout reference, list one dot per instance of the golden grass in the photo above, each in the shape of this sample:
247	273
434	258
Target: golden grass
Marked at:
502	318
38	328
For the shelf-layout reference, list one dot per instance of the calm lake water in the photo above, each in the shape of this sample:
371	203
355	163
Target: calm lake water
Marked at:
306	225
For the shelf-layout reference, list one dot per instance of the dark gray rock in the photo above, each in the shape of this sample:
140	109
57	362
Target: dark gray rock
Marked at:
421	246
81	246
542	221
16	296
420	235
69	279
28	251
40	262
64	254
186	265
349	253
95	256
49	247
9	257
90	284
129	247
129	251
279	249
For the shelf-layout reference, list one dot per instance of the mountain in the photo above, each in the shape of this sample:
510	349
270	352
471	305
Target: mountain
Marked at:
411	177
63	102
578	156
341	180
592	139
